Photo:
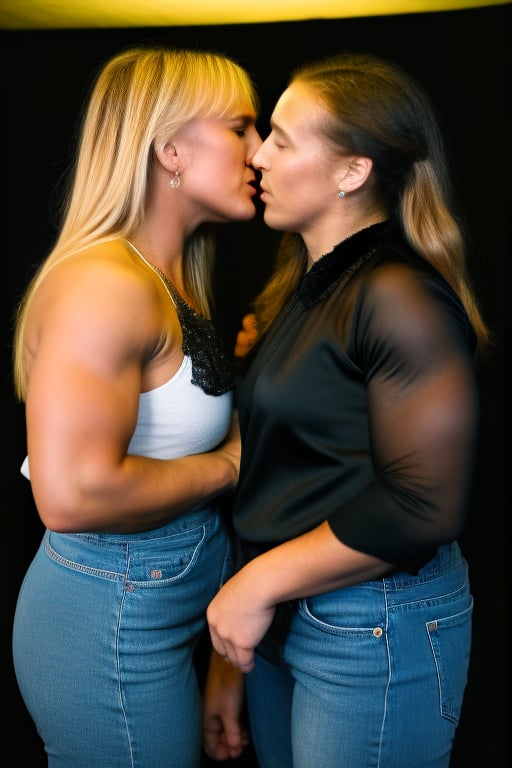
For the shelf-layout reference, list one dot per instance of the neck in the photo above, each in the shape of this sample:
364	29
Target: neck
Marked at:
318	247
159	259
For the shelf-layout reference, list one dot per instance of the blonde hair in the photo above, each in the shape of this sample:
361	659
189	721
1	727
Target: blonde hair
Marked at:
140	99
379	111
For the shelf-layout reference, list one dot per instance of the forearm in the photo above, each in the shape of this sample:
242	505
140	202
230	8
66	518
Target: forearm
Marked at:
138	494
316	562
310	564
224	733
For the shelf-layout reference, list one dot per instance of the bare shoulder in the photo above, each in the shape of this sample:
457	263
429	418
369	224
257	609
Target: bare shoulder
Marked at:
103	276
108	266
99	290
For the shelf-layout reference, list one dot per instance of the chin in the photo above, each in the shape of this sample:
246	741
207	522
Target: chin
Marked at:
273	221
247	215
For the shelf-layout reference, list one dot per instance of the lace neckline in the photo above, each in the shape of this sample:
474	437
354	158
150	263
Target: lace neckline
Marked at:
212	370
345	258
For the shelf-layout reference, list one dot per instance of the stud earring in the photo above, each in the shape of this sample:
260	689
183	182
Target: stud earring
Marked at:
341	193
175	181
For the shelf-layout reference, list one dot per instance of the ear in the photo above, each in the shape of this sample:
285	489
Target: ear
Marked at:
167	156
356	174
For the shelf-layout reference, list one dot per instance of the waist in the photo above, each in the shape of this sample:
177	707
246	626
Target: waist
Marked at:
185	522
446	559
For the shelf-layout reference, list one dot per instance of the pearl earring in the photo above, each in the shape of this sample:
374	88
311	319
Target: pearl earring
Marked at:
175	181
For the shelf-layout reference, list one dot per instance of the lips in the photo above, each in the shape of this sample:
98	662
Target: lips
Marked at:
255	187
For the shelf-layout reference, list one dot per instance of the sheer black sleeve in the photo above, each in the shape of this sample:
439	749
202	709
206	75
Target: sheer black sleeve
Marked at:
412	339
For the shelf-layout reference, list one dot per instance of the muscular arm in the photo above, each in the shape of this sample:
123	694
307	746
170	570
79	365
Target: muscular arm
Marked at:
93	330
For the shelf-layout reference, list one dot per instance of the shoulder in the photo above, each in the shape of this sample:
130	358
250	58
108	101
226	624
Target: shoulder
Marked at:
402	300
104	272
398	273
100	287
110	261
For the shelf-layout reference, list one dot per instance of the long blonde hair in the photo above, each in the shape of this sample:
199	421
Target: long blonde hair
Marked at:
140	98
379	111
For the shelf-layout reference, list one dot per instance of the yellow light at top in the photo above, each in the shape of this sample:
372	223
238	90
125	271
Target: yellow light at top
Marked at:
55	14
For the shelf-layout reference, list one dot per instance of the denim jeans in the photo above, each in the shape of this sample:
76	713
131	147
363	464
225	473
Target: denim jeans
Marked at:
370	676
104	637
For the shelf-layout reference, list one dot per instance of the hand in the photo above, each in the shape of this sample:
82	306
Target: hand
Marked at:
246	336
238	619
224	736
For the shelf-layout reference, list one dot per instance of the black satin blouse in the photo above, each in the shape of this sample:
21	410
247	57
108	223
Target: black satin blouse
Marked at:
360	407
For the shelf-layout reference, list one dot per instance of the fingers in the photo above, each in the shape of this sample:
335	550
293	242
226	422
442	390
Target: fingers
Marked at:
241	658
222	744
224	733
246	336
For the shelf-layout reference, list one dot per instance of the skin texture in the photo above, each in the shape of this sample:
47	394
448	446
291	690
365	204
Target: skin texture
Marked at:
301	174
165	152
101	330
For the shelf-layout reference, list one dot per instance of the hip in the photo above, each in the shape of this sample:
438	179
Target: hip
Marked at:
154	557
399	604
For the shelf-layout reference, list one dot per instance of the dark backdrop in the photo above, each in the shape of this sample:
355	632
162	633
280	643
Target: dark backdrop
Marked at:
462	58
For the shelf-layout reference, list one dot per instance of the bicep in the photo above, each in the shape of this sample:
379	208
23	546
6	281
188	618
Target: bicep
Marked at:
84	386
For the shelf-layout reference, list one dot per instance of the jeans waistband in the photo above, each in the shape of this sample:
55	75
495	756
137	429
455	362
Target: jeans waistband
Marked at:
185	522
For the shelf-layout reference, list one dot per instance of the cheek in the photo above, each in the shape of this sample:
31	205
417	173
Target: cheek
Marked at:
297	195
295	185
230	163
296	175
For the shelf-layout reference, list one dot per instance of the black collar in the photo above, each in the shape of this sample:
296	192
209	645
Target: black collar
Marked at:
329	270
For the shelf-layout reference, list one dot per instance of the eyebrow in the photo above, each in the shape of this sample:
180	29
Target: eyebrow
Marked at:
245	119
278	129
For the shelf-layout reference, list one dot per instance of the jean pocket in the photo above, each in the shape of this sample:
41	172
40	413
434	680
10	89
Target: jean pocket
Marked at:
166	560
450	640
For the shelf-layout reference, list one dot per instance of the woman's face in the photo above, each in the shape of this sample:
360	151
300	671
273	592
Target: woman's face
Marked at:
218	177
300	171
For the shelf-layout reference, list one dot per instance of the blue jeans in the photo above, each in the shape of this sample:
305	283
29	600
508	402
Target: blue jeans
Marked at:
371	676
104	637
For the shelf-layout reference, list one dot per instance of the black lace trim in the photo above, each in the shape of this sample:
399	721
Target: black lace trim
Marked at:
342	261
212	370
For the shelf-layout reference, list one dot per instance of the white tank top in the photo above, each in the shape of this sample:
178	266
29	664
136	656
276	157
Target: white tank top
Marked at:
178	418
190	413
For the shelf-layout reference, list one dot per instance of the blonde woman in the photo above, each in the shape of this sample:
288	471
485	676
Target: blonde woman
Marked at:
130	434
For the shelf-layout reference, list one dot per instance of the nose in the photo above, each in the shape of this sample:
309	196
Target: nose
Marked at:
254	145
258	159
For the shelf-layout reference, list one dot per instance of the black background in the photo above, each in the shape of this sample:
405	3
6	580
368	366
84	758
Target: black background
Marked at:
462	58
